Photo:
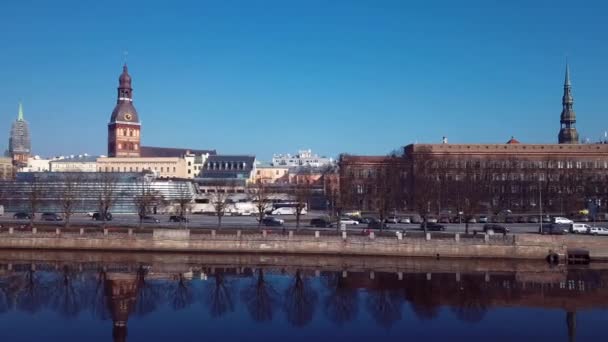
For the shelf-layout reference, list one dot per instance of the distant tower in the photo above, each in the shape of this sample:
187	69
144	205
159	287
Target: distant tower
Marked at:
19	143
568	133
124	128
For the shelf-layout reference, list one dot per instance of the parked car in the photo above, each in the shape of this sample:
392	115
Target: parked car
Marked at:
320	223
580	228
405	220
50	217
178	218
510	219
562	220
376	224
546	219
285	211
598	231
583	218
270	221
444	219
432	226
533	219
416	219
348	220
472	220
522	219
98	217
482	219
554	229
496	228
431	219
365	220
391	219
149	219
22	216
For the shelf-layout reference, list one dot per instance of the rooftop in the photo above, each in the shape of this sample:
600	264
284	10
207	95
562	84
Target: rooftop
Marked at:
150	151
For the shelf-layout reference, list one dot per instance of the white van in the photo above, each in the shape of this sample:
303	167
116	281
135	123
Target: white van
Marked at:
285	211
580	228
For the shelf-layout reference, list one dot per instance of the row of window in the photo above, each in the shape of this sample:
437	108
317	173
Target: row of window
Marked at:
135	169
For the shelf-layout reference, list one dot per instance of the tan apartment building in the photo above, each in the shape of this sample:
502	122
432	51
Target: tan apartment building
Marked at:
268	174
163	167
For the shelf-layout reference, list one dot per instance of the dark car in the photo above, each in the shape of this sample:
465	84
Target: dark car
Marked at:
178	218
365	220
533	219
50	217
510	219
22	216
431	226
555	229
98	217
270	221
444	219
149	219
320	223
496	228
522	219
375	224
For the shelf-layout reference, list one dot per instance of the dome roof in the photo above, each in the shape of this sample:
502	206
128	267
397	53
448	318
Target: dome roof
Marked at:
125	112
125	78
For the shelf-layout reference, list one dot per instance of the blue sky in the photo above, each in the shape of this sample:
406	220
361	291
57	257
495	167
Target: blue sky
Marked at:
263	77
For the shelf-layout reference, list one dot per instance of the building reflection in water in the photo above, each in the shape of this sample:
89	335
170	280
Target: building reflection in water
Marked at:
117	293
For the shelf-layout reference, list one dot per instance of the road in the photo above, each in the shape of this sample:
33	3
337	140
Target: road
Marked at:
250	222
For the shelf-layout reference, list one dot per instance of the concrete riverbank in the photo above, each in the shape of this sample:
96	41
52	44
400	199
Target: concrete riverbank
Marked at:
443	245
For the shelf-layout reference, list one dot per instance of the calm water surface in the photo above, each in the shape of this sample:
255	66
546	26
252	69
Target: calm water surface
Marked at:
70	300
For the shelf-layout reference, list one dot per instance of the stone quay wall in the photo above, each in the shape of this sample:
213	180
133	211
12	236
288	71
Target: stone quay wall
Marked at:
437	245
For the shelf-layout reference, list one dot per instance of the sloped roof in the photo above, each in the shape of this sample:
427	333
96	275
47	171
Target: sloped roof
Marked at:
150	151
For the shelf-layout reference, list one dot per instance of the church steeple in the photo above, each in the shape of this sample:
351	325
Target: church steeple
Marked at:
125	92
124	127
567	132
20	114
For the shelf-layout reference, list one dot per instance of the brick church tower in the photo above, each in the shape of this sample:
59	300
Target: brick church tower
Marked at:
124	128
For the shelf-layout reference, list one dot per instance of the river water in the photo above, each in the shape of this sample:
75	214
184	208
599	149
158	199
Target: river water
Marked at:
129	297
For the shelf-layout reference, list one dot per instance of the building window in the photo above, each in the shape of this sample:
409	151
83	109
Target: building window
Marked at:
189	171
162	169
174	169
189	163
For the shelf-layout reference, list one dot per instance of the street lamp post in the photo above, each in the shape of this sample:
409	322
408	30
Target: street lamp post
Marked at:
540	207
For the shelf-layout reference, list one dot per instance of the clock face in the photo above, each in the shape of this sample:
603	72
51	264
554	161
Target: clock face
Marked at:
128	117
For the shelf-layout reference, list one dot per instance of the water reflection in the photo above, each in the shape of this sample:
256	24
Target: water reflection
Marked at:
119	291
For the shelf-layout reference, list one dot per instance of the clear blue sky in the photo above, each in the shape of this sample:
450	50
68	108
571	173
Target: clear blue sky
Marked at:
263	77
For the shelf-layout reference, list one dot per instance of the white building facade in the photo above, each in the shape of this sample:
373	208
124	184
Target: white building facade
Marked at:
302	158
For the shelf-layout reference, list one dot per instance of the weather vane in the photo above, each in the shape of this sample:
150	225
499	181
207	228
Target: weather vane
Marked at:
125	54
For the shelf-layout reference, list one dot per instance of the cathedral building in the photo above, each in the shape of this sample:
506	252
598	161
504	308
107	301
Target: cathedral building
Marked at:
19	144
124	129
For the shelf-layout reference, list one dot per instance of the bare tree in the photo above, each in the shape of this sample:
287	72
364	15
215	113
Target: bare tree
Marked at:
107	195
260	194
34	196
424	185
302	194
69	195
220	200
146	197
183	200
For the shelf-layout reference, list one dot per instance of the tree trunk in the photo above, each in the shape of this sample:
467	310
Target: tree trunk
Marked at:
297	220
219	221
67	220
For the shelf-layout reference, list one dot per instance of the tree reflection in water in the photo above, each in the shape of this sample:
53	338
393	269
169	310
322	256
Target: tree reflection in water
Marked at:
472	300
384	305
180	293
423	294
300	301
99	296
220	296
29	290
149	293
342	303
260	298
65	295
